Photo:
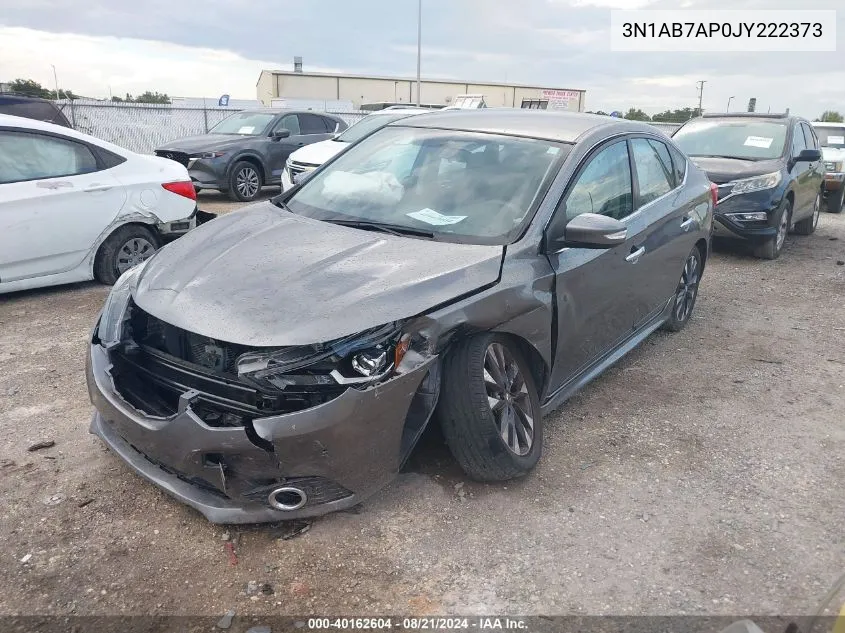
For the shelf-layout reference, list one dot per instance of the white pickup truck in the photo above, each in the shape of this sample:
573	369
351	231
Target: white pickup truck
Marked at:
832	142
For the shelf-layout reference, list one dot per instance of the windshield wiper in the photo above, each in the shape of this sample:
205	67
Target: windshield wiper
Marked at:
723	156
392	229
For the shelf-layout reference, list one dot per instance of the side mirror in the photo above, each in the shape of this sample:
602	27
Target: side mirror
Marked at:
591	230
808	156
278	135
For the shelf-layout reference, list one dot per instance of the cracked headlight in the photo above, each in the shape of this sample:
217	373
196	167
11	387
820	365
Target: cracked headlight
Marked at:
114	311
359	359
757	183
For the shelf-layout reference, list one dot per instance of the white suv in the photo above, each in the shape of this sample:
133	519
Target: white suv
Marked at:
308	158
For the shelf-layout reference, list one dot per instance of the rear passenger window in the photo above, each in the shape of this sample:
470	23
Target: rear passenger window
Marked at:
679	165
312	124
654	173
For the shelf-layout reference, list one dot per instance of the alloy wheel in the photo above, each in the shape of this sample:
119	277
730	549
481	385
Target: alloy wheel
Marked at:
783	229
133	252
247	182
687	289
507	395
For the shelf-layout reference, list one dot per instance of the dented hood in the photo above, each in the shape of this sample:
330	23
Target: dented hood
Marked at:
267	277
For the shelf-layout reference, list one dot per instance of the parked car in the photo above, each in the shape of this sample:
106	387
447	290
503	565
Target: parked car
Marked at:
283	361
32	108
248	150
308	158
769	172
832	140
74	208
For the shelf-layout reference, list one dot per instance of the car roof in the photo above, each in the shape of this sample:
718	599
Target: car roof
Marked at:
774	117
275	111
8	120
827	124
564	127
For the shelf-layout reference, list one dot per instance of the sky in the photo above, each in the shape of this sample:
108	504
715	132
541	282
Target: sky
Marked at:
205	48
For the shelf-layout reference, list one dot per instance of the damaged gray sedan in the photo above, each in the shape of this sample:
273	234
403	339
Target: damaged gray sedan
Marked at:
473	268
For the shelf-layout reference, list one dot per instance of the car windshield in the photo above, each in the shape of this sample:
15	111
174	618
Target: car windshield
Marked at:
831	136
745	139
247	123
456	186
369	124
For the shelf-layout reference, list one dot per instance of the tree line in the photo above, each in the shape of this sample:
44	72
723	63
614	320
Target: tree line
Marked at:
30	88
685	114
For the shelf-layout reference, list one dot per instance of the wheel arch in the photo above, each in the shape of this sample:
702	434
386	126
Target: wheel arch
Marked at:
97	250
247	157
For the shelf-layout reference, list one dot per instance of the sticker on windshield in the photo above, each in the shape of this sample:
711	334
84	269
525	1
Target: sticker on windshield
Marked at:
836	140
430	216
763	142
247	129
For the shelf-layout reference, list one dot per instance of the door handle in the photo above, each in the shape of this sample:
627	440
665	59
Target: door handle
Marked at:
98	187
635	255
687	223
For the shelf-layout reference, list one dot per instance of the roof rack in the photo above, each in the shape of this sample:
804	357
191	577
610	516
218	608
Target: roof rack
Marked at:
738	115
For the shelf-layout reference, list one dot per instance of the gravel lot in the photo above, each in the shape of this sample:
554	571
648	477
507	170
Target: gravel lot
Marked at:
703	474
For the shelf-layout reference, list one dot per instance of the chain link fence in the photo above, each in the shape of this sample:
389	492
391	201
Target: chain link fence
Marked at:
142	127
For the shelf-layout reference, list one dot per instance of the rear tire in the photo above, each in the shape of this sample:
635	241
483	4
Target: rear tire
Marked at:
807	226
489	409
128	246
687	292
773	247
836	200
244	182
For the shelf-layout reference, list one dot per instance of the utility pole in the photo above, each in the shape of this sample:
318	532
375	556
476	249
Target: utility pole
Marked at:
55	81
700	94
419	47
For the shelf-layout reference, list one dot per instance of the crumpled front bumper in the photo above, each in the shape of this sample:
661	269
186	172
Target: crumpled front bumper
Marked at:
340	451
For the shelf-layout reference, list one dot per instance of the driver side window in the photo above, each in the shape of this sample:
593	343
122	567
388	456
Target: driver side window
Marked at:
603	186
798	142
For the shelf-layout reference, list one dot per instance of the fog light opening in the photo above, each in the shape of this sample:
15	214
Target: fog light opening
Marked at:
287	498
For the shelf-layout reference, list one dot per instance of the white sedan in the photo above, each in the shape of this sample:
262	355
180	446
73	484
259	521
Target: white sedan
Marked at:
74	208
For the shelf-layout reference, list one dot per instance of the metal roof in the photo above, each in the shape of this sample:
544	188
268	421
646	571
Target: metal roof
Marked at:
456	82
551	125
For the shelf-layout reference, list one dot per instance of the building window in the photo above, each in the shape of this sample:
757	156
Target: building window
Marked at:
535	104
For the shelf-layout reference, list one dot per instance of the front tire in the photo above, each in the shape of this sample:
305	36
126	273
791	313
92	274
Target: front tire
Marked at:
772	248
128	246
836	200
489	409
244	182
687	292
807	226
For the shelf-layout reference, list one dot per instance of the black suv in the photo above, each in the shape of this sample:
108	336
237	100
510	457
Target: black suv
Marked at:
32	108
769	172
248	150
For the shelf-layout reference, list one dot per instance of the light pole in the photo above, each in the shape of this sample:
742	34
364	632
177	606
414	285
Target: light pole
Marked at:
419	47
55	81
701	94
728	109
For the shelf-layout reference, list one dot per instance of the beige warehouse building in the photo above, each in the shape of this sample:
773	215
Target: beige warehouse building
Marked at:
361	89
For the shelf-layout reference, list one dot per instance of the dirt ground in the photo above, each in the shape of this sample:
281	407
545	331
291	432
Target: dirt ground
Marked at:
703	474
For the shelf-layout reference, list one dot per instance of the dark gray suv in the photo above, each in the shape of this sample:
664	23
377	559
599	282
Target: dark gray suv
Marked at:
248	150
282	361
